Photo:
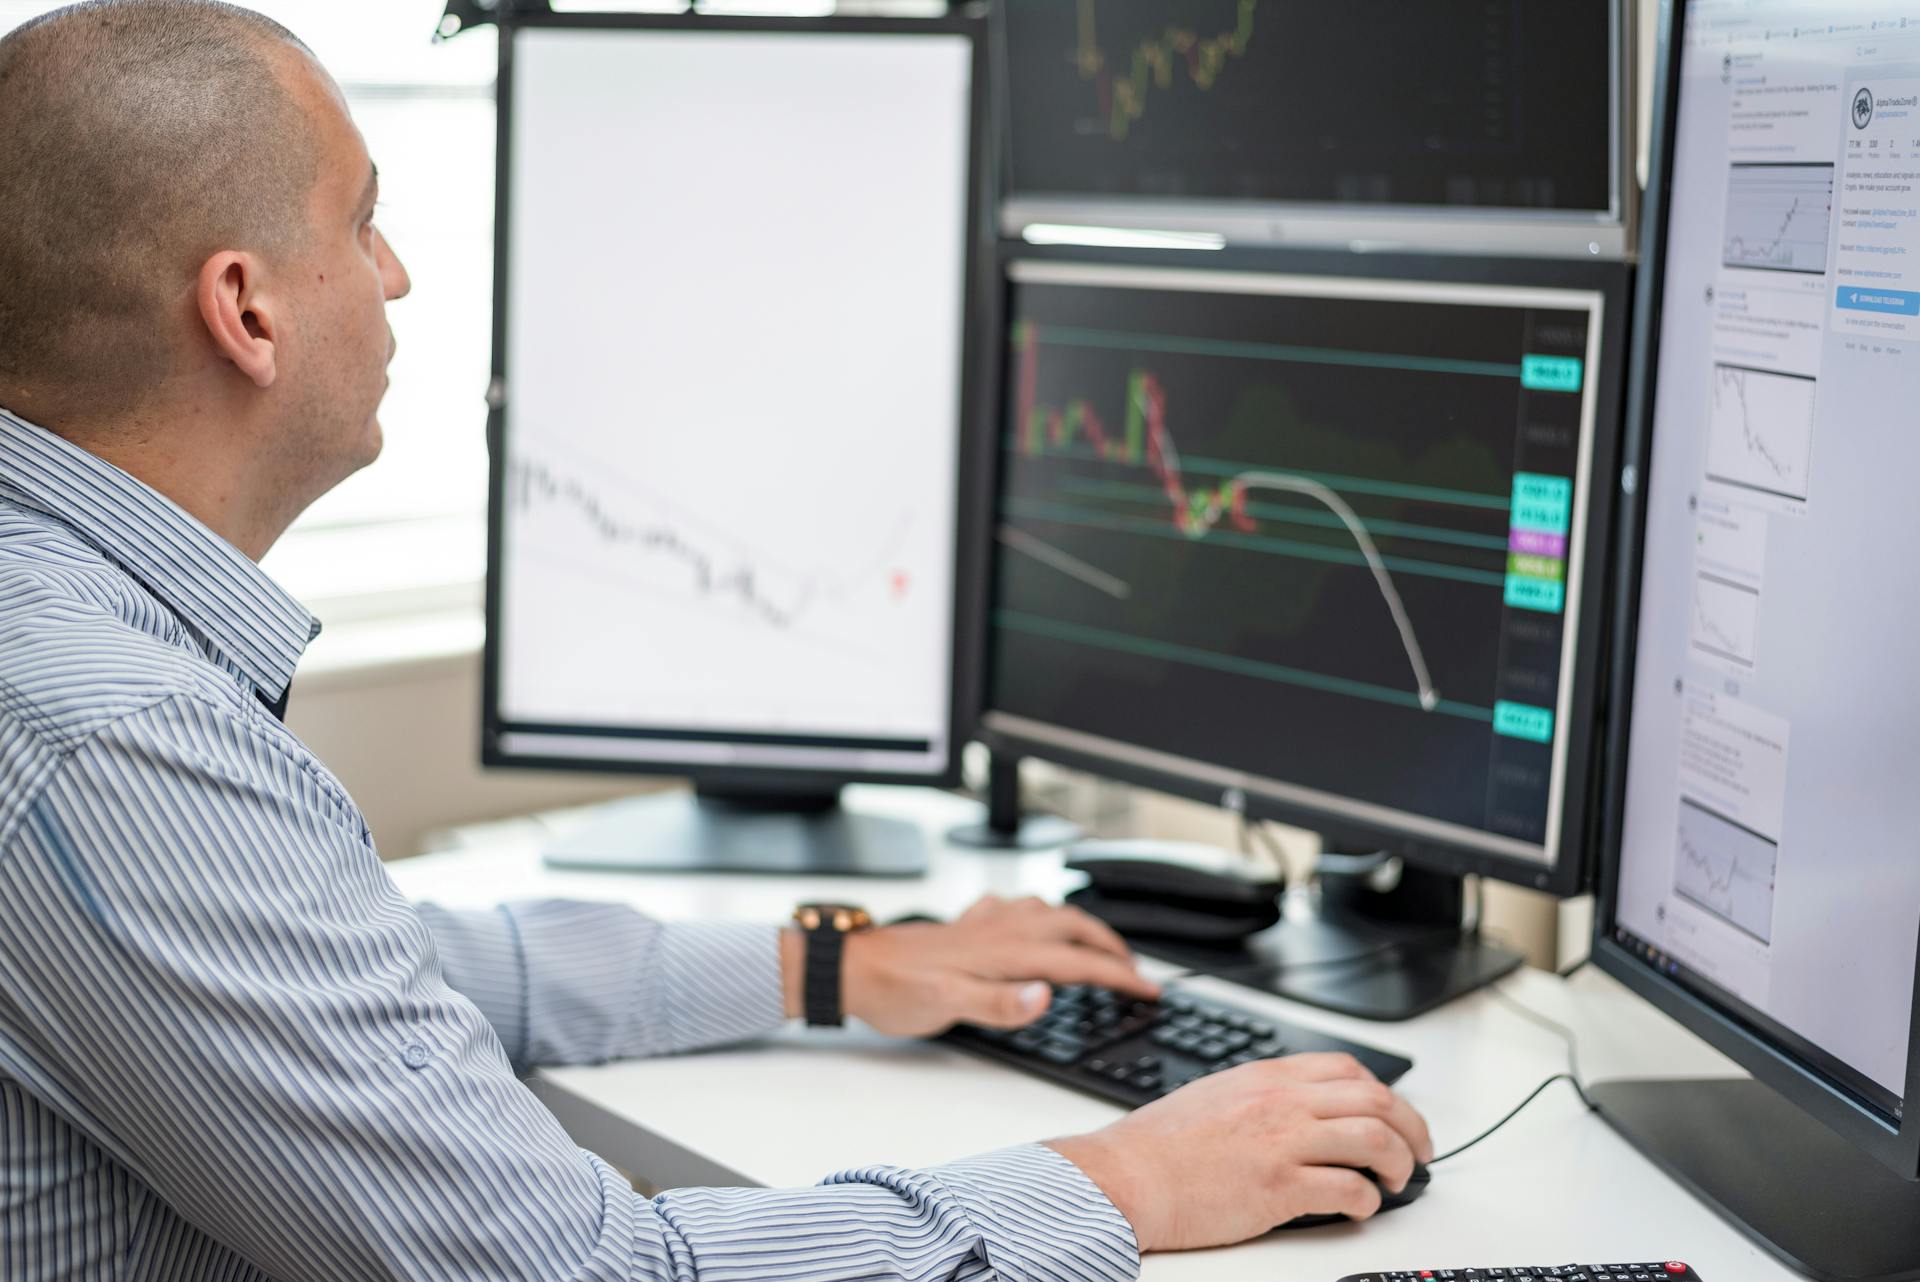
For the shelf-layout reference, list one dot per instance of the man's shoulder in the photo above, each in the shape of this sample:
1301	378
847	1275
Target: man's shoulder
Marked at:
81	644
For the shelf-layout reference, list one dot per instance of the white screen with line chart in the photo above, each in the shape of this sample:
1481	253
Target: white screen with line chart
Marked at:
735	348
1771	805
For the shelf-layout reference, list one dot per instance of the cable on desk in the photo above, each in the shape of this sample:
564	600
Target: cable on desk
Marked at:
1538	1020
1572	1076
1517	1108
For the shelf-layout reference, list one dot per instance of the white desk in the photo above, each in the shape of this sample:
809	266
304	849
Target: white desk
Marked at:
1556	1186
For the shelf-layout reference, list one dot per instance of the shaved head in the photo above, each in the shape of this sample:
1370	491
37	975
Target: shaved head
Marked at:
138	137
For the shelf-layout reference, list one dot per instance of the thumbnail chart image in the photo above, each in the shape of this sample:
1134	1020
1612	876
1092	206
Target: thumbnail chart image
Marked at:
1726	619
1276	100
1779	217
1329	541
1725	869
1760	430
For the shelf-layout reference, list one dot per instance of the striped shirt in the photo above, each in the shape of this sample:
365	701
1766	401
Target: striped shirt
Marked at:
229	1048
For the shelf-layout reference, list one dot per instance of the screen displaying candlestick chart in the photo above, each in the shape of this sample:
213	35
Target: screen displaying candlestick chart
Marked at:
1492	103
1325	533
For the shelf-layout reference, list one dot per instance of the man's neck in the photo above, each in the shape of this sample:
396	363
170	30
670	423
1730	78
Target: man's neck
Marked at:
174	455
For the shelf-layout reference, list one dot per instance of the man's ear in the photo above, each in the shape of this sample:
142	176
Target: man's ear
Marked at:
240	323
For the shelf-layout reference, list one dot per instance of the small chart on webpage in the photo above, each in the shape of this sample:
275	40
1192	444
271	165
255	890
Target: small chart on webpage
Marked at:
1760	431
1779	217
1726	869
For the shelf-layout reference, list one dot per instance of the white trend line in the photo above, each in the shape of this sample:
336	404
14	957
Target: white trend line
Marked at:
1429	696
1069	565
1291	484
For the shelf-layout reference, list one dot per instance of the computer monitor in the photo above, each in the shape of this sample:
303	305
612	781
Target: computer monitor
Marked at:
733	407
1318	538
1758	876
1484	126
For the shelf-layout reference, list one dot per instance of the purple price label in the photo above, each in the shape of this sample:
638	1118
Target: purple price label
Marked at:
1537	543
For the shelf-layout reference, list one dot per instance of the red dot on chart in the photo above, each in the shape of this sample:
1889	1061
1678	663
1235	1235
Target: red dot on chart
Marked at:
900	584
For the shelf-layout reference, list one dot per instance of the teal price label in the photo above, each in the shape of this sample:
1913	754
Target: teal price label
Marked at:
1542	503
1523	721
1552	373
1549	596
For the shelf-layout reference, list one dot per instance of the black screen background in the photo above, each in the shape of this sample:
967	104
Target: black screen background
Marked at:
1485	103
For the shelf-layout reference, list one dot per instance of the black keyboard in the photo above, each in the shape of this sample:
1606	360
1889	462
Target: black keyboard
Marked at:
1666	1271
1131	1051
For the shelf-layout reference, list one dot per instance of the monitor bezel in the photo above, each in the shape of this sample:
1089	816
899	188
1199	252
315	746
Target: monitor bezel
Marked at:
970	562
1752	1047
1569	874
1502	231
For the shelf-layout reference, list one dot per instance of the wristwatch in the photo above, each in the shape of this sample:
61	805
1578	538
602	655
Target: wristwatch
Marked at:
825	928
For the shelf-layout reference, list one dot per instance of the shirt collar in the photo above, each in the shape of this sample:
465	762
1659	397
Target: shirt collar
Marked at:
213	587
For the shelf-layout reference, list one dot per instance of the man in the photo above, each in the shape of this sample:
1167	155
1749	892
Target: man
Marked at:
228	1048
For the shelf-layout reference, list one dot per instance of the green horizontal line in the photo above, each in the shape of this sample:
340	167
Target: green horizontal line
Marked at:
1297	515
1074	336
1204	466
1062	514
1120	642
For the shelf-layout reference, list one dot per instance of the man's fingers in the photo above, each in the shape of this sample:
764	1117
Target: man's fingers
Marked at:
1321	1066
996	1003
1371	1099
1362	1143
1079	927
1331	1190
1072	964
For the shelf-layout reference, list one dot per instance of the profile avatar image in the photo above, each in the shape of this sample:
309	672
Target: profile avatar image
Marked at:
1863	108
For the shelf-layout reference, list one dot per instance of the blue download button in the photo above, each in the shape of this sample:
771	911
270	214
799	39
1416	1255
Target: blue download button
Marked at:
1896	302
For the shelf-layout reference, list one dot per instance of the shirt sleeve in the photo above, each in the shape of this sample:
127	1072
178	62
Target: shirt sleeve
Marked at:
206	971
564	982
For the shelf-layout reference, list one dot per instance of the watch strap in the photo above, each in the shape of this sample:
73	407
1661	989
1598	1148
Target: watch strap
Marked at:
825	950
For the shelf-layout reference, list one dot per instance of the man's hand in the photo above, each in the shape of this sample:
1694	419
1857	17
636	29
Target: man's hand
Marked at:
995	965
1233	1155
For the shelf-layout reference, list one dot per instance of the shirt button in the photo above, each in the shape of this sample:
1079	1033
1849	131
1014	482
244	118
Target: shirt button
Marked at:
416	1055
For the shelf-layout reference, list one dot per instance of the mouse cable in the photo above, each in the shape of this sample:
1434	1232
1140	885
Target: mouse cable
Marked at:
1538	1020
1572	1076
1516	1111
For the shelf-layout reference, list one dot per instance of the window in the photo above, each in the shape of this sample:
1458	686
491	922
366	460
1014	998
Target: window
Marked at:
407	535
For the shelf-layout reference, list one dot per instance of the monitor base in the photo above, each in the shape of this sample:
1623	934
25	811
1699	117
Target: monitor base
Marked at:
1781	1178
1383	955
791	836
1007	825
1397	972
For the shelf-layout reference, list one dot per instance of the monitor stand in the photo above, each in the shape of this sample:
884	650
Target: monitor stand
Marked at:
1009	825
786	833
1409	951
1787	1182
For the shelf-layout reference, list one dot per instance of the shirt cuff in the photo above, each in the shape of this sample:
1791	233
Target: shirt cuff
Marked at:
1042	1219
719	983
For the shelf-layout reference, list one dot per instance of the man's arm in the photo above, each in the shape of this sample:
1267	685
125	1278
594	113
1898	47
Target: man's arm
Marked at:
204	967
564	982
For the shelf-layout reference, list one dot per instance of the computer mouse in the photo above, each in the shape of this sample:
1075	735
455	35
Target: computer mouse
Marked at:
1416	1185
